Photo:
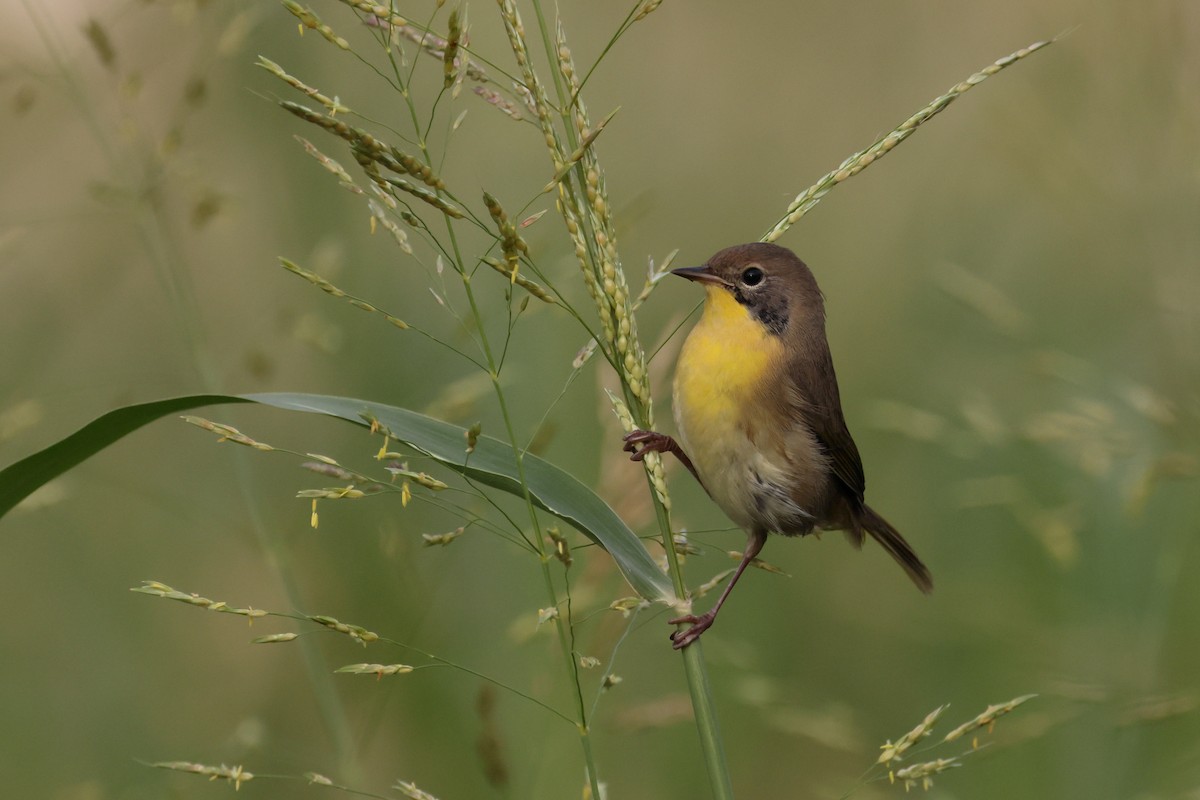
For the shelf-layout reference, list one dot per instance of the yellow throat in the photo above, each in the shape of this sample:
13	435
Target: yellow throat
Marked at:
718	380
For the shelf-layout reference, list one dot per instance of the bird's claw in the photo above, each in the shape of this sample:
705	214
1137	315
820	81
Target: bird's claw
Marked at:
701	623
651	441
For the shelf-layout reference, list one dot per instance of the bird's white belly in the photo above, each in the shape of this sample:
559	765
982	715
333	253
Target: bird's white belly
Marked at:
741	477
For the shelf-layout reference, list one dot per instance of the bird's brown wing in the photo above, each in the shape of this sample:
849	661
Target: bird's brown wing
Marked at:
816	390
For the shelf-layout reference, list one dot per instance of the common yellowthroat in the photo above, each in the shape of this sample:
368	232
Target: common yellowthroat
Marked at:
758	410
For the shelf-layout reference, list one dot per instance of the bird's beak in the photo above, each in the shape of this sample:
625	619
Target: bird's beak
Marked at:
701	274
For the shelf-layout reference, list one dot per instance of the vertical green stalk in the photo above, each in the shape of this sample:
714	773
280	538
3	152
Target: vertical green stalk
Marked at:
539	538
703	706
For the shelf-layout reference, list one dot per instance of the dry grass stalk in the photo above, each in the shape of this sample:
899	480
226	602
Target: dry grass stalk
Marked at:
329	164
534	288
235	775
494	98
330	289
331	103
621	328
338	493
383	14
442	539
370	152
652	461
988	717
378	670
627	605
226	432
923	773
589	136
419	192
856	163
450	52
562	548
309	19
511	242
157	589
433	45
380	216
541	105
412	791
355	632
647	9
711	584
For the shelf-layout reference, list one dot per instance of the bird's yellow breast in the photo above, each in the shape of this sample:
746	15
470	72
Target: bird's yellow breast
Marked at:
718	398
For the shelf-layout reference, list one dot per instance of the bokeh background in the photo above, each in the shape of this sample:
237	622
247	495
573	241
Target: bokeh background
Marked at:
1012	302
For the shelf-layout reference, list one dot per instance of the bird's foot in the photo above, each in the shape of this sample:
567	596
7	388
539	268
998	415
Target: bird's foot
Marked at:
650	441
701	623
655	442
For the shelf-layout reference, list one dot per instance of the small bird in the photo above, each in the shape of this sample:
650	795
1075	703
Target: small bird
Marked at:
758	410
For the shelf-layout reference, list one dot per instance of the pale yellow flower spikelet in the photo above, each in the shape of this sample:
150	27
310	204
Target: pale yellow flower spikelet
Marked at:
235	775
988	718
309	19
893	751
652	461
923	773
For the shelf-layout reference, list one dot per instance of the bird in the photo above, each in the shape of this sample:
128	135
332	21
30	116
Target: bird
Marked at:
759	415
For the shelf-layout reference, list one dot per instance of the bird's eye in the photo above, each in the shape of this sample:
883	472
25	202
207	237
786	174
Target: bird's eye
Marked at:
752	276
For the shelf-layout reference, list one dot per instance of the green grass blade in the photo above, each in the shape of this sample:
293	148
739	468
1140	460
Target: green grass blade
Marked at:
19	480
492	463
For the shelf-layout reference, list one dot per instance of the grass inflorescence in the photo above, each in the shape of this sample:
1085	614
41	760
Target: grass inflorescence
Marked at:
891	764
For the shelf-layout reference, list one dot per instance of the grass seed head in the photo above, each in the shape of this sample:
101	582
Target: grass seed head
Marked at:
424	195
497	100
412	791
442	539
534	288
378	670
646	10
711	584
892	752
562	549
472	436
309	19
923	773
235	775
806	200
988	717
328	163
450	54
626	605
359	634
381	13
227	433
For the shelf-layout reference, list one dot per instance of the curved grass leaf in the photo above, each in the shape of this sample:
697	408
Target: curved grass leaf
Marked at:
492	463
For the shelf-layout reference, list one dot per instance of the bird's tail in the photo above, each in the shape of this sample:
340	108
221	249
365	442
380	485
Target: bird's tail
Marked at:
891	540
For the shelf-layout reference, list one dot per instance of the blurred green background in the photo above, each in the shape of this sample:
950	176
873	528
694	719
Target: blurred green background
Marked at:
1012	301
